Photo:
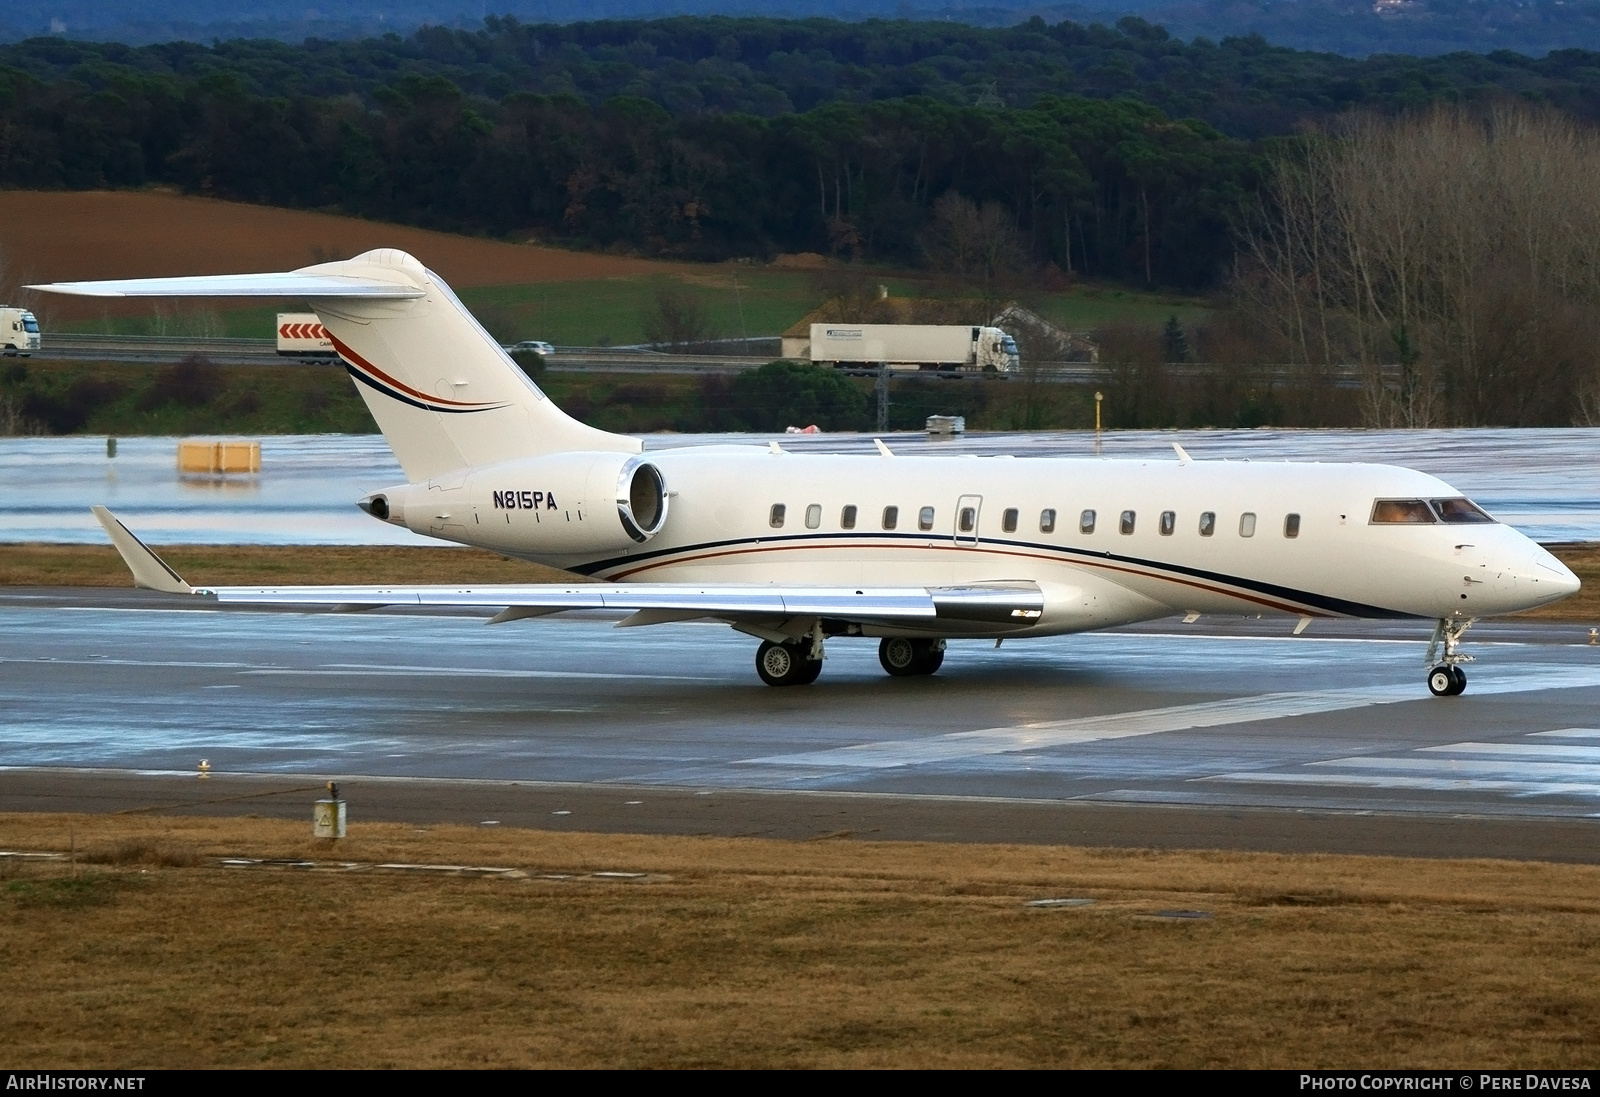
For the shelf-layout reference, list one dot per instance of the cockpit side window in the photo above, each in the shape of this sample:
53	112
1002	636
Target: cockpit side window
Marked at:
1402	512
1459	511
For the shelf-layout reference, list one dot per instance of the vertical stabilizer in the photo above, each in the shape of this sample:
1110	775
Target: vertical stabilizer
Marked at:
443	392
441	389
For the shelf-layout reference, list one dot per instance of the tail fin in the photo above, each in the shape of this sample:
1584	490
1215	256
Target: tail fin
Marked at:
442	391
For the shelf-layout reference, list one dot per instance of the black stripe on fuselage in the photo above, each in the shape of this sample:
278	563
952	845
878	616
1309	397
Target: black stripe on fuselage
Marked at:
1340	606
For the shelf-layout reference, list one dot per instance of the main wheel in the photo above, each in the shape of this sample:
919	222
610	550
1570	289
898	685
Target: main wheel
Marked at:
899	656
785	665
1460	677
934	659
1442	681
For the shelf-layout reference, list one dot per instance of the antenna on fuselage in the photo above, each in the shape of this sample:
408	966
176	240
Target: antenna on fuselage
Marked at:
1183	454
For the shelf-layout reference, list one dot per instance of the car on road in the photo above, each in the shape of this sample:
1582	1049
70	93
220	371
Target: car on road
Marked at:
531	346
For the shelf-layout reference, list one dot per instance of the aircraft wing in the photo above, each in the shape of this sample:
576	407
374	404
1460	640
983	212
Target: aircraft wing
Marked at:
1017	604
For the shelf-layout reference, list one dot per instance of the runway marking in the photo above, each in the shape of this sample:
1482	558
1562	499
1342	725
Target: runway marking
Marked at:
335	670
1571	733
1523	750
1576	770
1057	733
1420	784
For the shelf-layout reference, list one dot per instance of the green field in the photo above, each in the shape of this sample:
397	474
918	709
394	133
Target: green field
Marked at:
737	300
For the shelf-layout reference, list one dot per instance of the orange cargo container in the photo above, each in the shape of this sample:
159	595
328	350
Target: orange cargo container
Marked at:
214	457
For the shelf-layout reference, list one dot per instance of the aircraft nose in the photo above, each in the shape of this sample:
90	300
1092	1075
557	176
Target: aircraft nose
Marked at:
1552	575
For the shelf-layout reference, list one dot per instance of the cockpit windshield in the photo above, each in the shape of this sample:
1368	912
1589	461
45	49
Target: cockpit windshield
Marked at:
1396	512
1459	511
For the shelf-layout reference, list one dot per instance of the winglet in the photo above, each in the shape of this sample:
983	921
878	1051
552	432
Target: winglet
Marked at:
149	571
1183	454
883	449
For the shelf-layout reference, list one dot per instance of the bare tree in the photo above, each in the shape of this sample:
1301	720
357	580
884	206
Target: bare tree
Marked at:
1452	256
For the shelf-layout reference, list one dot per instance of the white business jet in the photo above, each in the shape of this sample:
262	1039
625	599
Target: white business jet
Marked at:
796	550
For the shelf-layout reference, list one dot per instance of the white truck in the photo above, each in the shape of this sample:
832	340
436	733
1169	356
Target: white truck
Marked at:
945	348
19	331
301	335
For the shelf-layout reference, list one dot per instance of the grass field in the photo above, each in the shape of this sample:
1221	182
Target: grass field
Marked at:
746	952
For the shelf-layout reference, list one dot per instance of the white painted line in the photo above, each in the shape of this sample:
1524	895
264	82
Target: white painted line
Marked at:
1533	751
342	670
1571	733
1422	784
1512	770
1123	725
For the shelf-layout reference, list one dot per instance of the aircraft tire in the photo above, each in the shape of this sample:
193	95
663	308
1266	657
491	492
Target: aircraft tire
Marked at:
934	659
783	665
899	656
1460	685
1442	681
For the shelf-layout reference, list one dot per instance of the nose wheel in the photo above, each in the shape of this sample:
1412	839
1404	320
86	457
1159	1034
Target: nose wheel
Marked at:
1447	679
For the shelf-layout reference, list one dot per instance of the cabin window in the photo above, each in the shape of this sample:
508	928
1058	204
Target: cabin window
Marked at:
1008	520
891	517
1459	511
925	518
1386	512
1047	520
1208	523
814	516
775	519
1169	522
967	519
847	518
1291	525
1247	525
1126	524
1086	522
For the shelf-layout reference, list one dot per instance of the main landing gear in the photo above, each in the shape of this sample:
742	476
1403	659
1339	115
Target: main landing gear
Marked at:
1447	679
799	662
787	664
904	657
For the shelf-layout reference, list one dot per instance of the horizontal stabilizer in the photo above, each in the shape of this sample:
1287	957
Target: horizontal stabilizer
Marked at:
299	284
149	570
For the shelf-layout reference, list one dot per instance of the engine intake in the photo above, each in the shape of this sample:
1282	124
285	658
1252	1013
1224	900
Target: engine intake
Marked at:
641	499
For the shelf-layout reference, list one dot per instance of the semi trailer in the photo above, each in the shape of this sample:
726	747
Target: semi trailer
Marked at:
944	348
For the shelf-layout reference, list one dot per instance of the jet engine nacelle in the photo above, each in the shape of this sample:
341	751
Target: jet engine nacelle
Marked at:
559	504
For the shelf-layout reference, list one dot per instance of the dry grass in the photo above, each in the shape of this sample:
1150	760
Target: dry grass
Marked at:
36	565
761	953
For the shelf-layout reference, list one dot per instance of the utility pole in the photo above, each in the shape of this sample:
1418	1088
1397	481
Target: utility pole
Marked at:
1098	397
882	389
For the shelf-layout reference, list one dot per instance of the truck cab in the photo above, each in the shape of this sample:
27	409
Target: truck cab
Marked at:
994	351
19	331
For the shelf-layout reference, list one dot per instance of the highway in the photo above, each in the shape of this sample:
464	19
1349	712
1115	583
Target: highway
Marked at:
248	352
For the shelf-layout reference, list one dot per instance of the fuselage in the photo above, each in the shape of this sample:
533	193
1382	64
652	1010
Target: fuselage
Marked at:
1108	541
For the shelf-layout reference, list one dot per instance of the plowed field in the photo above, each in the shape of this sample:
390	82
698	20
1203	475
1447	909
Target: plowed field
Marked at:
52	236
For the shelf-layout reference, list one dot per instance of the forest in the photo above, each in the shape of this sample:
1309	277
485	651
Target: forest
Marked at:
1116	153
1001	159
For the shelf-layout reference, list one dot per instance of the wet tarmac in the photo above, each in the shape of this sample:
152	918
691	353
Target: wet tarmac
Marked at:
1544	482
1229	733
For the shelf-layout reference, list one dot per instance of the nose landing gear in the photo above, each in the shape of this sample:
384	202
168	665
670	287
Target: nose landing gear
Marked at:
1447	679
